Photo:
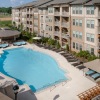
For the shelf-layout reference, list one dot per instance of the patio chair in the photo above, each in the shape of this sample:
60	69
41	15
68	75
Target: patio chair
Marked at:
90	72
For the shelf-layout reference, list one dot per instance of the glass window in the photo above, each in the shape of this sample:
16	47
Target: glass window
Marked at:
80	22
80	10
92	10
77	46
73	10
77	21
73	44
73	21
92	37
88	37
88	24
77	8
80	35
88	10
80	47
73	33
92	23
92	51
77	34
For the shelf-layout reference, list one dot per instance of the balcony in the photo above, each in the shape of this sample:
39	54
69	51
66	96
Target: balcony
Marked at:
64	35
65	13
35	17
57	13
57	23
56	33
35	25
65	24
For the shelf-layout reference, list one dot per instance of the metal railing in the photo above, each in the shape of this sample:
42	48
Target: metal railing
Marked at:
65	24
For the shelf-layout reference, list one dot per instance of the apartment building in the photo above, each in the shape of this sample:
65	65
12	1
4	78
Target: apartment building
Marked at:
72	22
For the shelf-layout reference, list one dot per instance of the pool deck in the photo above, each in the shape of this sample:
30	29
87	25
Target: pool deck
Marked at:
63	91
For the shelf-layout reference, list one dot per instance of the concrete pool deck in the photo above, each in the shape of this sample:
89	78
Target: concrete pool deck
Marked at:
63	91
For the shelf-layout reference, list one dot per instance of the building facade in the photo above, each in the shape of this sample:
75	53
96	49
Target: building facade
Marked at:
72	22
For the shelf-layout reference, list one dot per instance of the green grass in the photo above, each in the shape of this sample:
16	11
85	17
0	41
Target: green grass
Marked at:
5	23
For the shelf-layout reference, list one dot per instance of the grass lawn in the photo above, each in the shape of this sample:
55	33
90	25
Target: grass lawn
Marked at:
5	23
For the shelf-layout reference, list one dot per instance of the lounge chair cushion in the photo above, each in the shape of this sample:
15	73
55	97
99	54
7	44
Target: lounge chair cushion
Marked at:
89	72
95	75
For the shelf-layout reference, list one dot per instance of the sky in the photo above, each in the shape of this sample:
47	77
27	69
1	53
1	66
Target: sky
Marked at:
13	3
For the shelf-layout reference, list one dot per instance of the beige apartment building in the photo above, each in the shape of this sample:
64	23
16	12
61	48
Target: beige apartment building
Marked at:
72	22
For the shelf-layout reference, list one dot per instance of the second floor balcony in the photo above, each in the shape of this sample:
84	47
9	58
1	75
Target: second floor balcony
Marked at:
65	24
65	35
56	33
65	13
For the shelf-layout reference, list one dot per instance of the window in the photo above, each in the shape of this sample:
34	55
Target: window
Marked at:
90	23
80	10
73	33
80	35
77	46
92	51
80	22
77	21
73	10
90	10
77	33
88	37
80	47
50	10
77	10
73	21
73	44
92	38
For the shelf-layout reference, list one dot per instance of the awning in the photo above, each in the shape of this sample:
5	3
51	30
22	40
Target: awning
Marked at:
36	38
94	65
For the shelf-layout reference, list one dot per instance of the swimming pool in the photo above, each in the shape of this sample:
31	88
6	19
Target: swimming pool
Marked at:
36	69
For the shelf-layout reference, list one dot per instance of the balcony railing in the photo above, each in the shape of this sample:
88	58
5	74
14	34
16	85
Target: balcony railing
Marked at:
57	33
35	17
65	24
99	13
57	23
35	25
64	35
57	13
65	13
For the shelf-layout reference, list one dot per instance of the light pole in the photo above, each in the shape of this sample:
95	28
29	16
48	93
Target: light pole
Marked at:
16	88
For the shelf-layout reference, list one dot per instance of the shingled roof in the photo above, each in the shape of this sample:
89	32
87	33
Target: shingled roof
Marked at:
78	2
93	2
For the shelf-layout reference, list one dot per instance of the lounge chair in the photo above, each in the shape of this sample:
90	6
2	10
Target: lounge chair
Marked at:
90	72
72	60
81	67
77	63
66	55
59	50
95	76
4	45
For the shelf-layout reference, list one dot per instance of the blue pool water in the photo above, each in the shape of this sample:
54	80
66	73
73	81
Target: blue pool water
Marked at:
36	69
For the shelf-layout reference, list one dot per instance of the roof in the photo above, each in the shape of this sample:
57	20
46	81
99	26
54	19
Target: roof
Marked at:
26	5
93	2
4	97
77	2
57	2
94	65
8	33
